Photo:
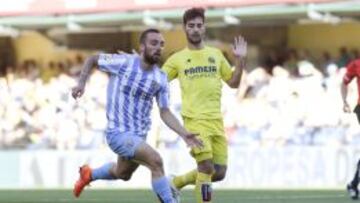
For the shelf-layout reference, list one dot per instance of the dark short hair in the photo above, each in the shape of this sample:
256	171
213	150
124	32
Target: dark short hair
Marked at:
146	32
193	13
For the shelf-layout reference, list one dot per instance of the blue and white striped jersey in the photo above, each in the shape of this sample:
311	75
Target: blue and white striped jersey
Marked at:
131	91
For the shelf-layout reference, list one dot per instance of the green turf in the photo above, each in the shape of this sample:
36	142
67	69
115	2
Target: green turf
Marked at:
144	196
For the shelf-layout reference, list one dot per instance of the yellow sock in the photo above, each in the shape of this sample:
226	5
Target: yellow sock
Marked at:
203	190
186	179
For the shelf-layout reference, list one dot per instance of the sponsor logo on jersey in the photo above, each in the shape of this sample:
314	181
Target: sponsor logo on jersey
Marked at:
200	69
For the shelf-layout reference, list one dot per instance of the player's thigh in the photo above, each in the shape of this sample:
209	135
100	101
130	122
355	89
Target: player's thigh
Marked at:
125	167
124	144
219	149
205	152
148	156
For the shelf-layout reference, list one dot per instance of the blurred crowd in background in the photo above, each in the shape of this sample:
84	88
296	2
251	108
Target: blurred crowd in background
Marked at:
290	99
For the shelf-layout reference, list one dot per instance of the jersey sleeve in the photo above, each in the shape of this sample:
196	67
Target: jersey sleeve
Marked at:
225	68
350	73
112	63
163	95
170	68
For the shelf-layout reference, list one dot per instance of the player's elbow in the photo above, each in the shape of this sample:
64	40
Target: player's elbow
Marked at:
344	85
234	84
164	112
92	60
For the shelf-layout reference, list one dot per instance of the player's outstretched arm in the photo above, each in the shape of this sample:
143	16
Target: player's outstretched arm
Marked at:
344	93
90	62
240	52
172	122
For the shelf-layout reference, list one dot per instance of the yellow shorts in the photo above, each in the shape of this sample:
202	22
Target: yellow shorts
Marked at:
212	134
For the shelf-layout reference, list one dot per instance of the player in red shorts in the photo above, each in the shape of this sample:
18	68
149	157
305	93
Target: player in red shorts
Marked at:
352	71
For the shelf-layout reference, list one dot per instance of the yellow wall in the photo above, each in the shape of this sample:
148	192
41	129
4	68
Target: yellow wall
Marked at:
174	41
320	37
33	45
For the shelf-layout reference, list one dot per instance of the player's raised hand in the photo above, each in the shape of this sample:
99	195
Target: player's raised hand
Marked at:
240	47
192	140
77	91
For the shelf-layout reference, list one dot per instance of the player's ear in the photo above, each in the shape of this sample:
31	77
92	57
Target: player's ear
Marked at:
142	47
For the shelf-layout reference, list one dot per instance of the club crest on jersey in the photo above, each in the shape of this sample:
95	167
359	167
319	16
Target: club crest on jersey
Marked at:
107	57
110	58
211	59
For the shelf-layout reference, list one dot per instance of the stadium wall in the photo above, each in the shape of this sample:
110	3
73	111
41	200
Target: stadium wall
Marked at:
249	167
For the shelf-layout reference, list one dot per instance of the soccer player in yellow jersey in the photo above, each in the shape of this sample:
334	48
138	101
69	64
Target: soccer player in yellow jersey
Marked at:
200	70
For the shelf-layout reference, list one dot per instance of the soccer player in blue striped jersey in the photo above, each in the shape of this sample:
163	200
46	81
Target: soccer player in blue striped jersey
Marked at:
134	81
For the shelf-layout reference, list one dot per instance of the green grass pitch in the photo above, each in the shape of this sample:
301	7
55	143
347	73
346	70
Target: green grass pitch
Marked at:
146	196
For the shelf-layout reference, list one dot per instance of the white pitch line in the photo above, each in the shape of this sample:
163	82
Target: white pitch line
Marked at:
293	197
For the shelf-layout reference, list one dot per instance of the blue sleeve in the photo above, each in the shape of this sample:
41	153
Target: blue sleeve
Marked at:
112	63
163	95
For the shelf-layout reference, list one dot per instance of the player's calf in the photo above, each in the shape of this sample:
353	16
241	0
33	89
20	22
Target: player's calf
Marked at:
125	176
203	189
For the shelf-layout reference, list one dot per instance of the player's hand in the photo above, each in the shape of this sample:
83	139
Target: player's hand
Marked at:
78	91
133	51
346	108
240	47
191	140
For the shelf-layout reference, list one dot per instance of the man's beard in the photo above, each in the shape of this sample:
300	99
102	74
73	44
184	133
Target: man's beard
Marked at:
150	60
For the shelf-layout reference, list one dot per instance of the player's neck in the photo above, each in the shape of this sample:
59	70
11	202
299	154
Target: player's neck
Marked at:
198	46
146	66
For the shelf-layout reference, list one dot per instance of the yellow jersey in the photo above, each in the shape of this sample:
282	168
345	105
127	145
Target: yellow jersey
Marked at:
200	73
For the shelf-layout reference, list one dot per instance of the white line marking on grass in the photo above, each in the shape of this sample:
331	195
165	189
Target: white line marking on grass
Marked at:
296	197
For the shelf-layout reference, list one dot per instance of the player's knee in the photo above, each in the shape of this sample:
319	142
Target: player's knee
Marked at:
156	163
220	173
206	167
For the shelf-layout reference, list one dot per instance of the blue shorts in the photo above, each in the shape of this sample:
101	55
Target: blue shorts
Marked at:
124	144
